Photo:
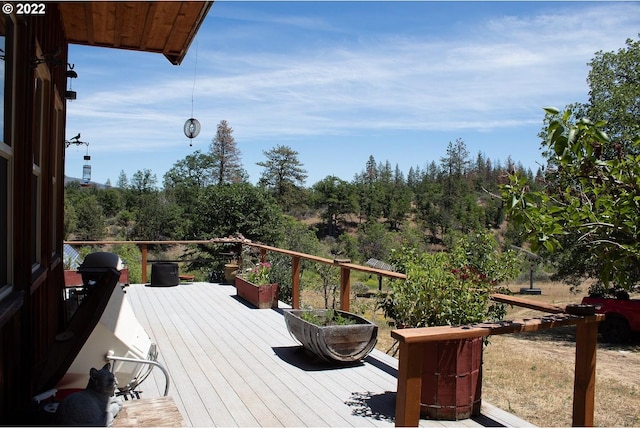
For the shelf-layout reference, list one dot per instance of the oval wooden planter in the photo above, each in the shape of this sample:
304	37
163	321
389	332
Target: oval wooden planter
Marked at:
334	342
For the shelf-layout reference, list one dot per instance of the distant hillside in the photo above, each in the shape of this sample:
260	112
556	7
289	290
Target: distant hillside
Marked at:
79	180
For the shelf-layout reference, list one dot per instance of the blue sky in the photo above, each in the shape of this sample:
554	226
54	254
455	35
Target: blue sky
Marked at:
340	81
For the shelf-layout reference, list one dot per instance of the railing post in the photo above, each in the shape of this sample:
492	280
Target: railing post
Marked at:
295	282
263	255
409	384
239	253
585	373
143	250
345	288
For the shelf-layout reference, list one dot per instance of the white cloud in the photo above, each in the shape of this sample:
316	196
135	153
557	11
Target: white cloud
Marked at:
497	75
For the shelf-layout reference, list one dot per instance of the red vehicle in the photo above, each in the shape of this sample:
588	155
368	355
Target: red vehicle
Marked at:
622	316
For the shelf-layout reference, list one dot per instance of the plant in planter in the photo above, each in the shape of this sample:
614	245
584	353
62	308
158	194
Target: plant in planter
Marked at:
254	287
326	317
331	334
450	288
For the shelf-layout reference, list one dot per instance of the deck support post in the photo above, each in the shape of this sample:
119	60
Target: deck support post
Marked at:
345	288
585	373
143	250
238	251
239	258
295	282
409	384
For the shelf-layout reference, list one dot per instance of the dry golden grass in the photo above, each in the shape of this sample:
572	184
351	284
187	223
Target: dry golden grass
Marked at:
531	374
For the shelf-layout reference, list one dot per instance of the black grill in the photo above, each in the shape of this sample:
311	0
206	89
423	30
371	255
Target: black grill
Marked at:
96	265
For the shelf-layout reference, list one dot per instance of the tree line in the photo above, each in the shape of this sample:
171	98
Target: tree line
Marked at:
207	195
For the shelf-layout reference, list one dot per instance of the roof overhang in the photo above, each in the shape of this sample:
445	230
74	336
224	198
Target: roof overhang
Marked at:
166	27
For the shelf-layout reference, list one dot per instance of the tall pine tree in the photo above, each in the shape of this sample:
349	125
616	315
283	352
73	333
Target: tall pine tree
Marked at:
225	157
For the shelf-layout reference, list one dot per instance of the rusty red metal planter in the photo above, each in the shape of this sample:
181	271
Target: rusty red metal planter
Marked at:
452	379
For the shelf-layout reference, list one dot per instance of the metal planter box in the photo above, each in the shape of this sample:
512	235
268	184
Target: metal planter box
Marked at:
262	296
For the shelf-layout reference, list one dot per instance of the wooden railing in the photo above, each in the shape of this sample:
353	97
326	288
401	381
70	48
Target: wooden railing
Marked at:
345	271
345	266
411	339
411	342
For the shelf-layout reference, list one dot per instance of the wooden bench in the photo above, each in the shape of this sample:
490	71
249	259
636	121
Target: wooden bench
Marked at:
149	412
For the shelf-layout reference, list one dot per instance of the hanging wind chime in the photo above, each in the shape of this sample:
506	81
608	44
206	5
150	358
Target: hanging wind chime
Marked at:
192	126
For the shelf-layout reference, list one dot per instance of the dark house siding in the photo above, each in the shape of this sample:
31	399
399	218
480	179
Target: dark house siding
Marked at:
32	316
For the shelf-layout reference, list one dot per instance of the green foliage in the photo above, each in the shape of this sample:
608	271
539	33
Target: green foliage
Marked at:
449	288
156	219
326	318
91	222
281	275
589	211
614	96
329	278
283	175
374	241
258	274
349	247
300	238
111	201
336	198
70	218
132	257
143	181
192	172
237	208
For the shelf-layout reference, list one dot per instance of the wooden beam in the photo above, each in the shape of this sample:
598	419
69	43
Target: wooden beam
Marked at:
148	23
156	412
295	282
143	250
585	374
88	19
345	288
434	334
375	271
527	303
409	384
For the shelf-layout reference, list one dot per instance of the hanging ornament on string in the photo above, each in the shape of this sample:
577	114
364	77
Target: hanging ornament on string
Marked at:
192	126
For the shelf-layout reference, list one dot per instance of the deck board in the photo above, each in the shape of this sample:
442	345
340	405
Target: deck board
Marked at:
233	365
158	412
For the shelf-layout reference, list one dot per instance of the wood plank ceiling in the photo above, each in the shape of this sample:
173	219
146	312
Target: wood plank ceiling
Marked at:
166	27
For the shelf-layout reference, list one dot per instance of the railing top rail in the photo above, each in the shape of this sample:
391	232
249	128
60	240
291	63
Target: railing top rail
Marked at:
352	266
528	303
305	256
195	241
434	334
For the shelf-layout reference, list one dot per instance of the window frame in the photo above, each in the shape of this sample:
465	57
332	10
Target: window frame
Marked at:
7	155
41	126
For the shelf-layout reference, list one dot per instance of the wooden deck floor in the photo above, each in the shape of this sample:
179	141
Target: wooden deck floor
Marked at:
233	365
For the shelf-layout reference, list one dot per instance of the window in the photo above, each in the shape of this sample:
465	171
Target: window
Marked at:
6	163
56	167
41	105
